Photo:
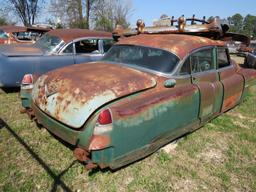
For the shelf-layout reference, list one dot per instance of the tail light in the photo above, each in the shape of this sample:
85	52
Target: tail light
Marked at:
105	117
27	81
104	122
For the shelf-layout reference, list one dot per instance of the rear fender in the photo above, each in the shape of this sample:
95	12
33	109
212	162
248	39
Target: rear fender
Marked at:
151	119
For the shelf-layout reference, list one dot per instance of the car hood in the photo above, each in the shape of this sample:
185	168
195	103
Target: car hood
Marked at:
20	50
73	93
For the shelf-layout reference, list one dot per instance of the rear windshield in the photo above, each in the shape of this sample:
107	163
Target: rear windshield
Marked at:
146	57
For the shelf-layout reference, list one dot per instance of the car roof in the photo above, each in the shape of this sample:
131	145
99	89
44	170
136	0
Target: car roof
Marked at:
68	35
13	29
179	44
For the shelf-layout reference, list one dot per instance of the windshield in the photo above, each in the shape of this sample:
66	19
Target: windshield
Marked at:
3	35
150	58
49	44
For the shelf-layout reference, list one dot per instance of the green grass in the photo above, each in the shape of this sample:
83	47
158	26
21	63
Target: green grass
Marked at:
221	156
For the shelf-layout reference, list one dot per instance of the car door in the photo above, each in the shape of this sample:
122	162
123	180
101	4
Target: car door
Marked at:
49	62
233	83
87	50
205	76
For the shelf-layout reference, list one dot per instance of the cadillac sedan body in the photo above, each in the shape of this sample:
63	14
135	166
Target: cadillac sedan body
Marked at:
55	49
147	91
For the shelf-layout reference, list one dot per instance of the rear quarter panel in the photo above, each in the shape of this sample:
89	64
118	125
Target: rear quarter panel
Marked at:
250	80
146	121
12	69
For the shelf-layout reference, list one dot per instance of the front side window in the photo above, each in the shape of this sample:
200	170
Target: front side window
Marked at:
223	59
202	60
87	46
146	57
68	49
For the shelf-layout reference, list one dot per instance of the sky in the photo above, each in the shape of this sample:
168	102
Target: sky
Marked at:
148	10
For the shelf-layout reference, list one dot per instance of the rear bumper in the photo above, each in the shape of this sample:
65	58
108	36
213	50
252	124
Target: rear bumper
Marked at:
65	133
92	158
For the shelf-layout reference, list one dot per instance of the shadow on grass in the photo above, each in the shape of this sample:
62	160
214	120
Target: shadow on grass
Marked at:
57	178
9	90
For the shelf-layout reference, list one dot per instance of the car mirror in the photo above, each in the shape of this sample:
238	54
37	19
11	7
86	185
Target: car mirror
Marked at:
169	83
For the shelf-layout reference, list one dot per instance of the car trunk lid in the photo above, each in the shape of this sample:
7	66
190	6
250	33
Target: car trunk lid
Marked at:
72	94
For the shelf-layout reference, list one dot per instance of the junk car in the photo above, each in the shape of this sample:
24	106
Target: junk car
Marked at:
55	49
10	34
149	89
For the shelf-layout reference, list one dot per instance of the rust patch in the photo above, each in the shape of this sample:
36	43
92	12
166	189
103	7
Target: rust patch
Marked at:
231	101
149	99
64	95
178	44
81	154
99	142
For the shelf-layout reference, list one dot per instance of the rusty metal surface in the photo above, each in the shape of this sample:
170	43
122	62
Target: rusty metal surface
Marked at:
73	98
81	154
212	28
181	45
71	34
233	84
99	142
146	100
13	29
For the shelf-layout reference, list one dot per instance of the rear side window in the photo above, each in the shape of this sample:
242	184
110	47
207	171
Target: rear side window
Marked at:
223	58
202	60
87	46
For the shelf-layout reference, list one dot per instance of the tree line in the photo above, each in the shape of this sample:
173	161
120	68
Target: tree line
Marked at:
89	14
94	14
244	25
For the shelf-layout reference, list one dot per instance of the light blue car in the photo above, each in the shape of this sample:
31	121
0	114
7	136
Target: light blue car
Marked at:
57	48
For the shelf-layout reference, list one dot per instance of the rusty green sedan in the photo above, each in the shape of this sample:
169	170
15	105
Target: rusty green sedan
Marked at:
147	91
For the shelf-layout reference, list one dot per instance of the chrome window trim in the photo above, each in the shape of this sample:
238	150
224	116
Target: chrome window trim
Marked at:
64	47
79	39
229	59
188	55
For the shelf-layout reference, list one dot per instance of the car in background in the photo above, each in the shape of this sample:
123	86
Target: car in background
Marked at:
233	47
55	49
10	34
149	89
62	47
250	60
